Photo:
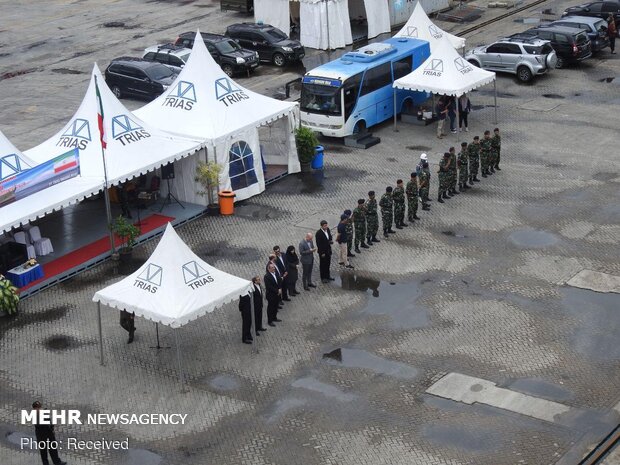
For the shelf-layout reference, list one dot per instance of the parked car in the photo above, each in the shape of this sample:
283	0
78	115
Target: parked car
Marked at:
170	55
525	57
136	77
570	45
596	10
225	51
595	28
244	6
271	43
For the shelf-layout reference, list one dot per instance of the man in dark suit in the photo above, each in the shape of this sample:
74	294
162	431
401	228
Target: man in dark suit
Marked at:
282	267
273	290
128	323
45	435
306	250
324	244
272	260
245	308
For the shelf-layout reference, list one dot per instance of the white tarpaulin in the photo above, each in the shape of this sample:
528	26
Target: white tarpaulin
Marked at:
325	25
174	286
445	72
12	161
273	12
377	17
421	27
206	104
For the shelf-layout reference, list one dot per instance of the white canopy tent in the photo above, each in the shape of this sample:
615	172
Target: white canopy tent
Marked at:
173	287
12	161
445	72
421	27
205	104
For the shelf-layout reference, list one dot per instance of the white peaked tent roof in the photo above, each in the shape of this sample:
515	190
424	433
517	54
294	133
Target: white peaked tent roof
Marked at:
174	286
445	72
421	27
12	161
204	103
133	146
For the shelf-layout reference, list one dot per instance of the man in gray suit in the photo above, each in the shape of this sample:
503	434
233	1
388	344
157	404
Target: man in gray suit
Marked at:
306	250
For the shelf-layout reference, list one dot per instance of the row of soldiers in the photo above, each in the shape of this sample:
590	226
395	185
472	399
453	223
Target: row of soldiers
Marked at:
364	219
480	154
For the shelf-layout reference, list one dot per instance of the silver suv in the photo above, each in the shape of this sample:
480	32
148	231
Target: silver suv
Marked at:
170	55
521	56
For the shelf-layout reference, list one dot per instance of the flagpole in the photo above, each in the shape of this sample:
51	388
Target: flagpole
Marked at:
106	194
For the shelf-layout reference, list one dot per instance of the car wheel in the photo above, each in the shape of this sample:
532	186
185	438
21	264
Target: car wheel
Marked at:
474	63
278	59
524	74
559	62
228	70
360	127
117	91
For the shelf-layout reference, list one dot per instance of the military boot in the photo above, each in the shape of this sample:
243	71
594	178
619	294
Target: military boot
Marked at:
491	170
357	250
497	167
439	199
416	217
385	233
403	224
398	226
364	246
374	239
445	195
391	231
454	192
476	179
368	241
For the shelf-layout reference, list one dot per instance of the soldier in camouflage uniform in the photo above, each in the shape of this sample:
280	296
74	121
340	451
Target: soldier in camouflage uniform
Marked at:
398	196
349	229
496	146
424	179
453	173
443	173
412	198
387	211
462	161
359	219
473	153
485	154
372	218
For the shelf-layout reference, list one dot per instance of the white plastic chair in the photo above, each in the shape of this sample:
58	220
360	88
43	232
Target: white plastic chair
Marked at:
42	245
20	238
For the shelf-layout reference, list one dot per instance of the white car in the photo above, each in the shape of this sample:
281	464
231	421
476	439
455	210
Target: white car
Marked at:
170	55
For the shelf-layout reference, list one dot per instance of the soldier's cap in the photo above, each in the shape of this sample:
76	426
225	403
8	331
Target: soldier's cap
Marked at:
323	222
446	155
451	149
388	189
487	132
343	217
463	144
347	212
476	137
399	181
360	201
371	193
423	156
496	130
414	175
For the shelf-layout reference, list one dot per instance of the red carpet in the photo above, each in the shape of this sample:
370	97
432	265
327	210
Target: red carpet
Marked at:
92	250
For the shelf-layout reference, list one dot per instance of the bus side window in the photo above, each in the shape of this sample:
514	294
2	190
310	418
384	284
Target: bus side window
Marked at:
351	89
376	78
402	67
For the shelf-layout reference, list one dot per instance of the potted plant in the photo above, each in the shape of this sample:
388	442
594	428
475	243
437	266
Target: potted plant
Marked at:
9	297
208	176
127	233
306	142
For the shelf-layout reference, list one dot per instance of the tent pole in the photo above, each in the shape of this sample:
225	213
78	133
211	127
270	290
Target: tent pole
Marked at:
176	341
395	130
329	45
101	362
255	338
495	97
458	129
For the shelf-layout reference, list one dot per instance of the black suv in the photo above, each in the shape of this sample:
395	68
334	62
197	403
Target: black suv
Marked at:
570	45
271	43
596	10
227	53
138	78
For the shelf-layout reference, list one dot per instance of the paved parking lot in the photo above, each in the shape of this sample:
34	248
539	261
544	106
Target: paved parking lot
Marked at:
476	287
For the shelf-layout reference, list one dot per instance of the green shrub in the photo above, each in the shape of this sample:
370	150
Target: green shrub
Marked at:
306	142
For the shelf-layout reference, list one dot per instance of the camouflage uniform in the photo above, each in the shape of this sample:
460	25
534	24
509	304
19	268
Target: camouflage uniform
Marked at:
412	199
443	174
485	155
349	230
372	218
359	218
425	179
398	196
452	173
463	171
387	214
496	147
473	153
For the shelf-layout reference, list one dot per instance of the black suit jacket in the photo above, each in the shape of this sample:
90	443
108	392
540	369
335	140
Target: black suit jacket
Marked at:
282	267
323	243
271	286
244	301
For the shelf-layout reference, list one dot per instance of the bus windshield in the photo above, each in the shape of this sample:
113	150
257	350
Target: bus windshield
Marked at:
316	98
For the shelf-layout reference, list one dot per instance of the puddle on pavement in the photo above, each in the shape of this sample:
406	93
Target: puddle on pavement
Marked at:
66	71
356	358
391	159
541	388
283	406
596	332
312	182
398	302
140	457
257	212
453	234
604	176
25	319
553	96
532	239
224	383
313	384
474	439
608	79
213	251
60	342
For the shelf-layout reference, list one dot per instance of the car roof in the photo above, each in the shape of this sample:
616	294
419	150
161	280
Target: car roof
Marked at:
169	48
206	35
138	62
250	26
523	38
561	29
580	19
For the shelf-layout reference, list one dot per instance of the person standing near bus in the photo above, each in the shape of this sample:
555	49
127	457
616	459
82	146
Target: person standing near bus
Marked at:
398	196
387	211
442	110
372	218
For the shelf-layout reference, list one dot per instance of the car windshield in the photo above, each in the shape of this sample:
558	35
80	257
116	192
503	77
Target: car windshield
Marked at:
227	46
317	98
157	72
276	35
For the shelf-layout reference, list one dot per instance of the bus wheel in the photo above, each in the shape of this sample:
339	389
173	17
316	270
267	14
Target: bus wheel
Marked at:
359	127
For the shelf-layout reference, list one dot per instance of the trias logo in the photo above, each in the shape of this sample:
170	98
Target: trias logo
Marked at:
195	276
126	131
462	66
150	278
77	135
10	165
434	68
183	96
436	33
411	31
227	93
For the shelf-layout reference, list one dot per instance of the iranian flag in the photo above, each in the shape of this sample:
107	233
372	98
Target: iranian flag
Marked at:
100	116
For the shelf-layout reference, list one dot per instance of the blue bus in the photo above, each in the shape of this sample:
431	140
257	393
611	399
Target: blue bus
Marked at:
354	92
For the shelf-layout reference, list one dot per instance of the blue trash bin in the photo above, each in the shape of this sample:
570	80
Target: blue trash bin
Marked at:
317	161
